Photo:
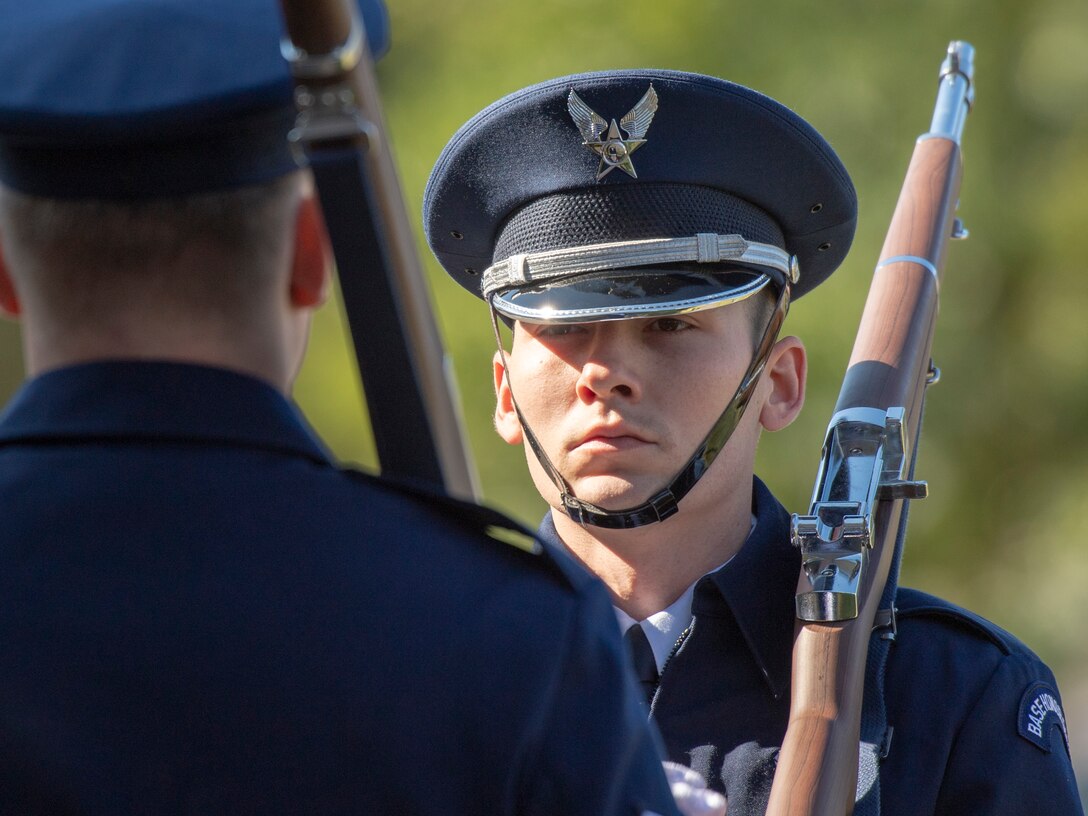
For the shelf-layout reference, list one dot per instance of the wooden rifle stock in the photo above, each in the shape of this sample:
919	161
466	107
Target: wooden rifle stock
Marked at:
409	389
849	539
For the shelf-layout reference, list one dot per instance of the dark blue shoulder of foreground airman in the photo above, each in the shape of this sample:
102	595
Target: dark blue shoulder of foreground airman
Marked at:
199	611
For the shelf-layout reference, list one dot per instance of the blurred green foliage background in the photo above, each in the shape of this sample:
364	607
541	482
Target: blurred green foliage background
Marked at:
1006	444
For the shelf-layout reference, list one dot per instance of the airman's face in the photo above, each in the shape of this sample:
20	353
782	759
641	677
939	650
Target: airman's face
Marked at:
620	406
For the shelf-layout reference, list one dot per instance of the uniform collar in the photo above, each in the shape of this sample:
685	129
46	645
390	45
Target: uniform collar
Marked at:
156	401
758	586
755	587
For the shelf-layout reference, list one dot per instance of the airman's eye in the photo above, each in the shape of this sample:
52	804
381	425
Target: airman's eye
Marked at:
669	324
558	330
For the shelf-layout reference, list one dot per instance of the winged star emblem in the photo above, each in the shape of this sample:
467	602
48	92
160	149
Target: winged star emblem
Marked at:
605	139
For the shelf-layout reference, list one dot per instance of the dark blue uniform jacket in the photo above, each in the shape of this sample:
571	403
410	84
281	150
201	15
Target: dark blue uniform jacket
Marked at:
199	613
964	698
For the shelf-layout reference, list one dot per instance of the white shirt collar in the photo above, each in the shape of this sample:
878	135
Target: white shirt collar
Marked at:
662	628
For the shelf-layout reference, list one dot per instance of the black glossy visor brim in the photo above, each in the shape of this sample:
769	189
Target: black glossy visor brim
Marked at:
621	294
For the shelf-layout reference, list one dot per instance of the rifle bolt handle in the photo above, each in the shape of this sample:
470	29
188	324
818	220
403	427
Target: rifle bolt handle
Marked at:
902	489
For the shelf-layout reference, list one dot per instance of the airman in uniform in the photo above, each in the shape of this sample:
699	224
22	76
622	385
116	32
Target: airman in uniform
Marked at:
200	611
642	232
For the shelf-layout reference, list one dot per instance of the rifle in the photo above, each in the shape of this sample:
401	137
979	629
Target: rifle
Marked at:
413	413
851	538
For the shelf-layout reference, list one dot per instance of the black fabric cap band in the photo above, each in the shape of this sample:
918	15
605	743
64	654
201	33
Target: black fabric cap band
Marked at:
631	212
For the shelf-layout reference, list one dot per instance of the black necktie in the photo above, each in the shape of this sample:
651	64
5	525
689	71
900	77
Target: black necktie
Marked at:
642	658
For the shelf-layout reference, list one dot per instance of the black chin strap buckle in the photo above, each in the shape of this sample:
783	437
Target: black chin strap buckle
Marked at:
573	508
659	508
664	504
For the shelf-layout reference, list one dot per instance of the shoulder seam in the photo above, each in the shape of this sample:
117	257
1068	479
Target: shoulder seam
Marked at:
477	513
930	606
477	518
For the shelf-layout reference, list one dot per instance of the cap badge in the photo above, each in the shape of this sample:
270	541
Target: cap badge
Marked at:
605	139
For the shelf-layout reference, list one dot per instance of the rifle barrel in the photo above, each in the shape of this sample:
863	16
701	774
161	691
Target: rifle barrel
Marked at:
851	536
406	374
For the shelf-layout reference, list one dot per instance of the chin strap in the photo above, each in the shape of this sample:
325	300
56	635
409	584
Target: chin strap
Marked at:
666	502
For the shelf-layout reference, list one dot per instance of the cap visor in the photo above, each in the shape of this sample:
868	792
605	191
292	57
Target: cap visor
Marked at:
619	294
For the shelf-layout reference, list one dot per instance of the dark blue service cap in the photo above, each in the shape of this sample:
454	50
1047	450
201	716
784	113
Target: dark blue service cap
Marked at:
147	98
582	179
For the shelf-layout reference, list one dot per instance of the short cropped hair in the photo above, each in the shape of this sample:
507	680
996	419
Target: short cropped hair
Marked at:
208	250
759	308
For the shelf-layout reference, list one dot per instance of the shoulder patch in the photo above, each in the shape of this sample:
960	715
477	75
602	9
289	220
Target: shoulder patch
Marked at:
1040	713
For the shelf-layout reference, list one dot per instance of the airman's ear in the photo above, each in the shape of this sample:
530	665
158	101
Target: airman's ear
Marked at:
9	299
784	376
506	418
311	262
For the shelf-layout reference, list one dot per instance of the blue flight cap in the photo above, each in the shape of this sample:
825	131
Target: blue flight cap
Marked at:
624	193
146	98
